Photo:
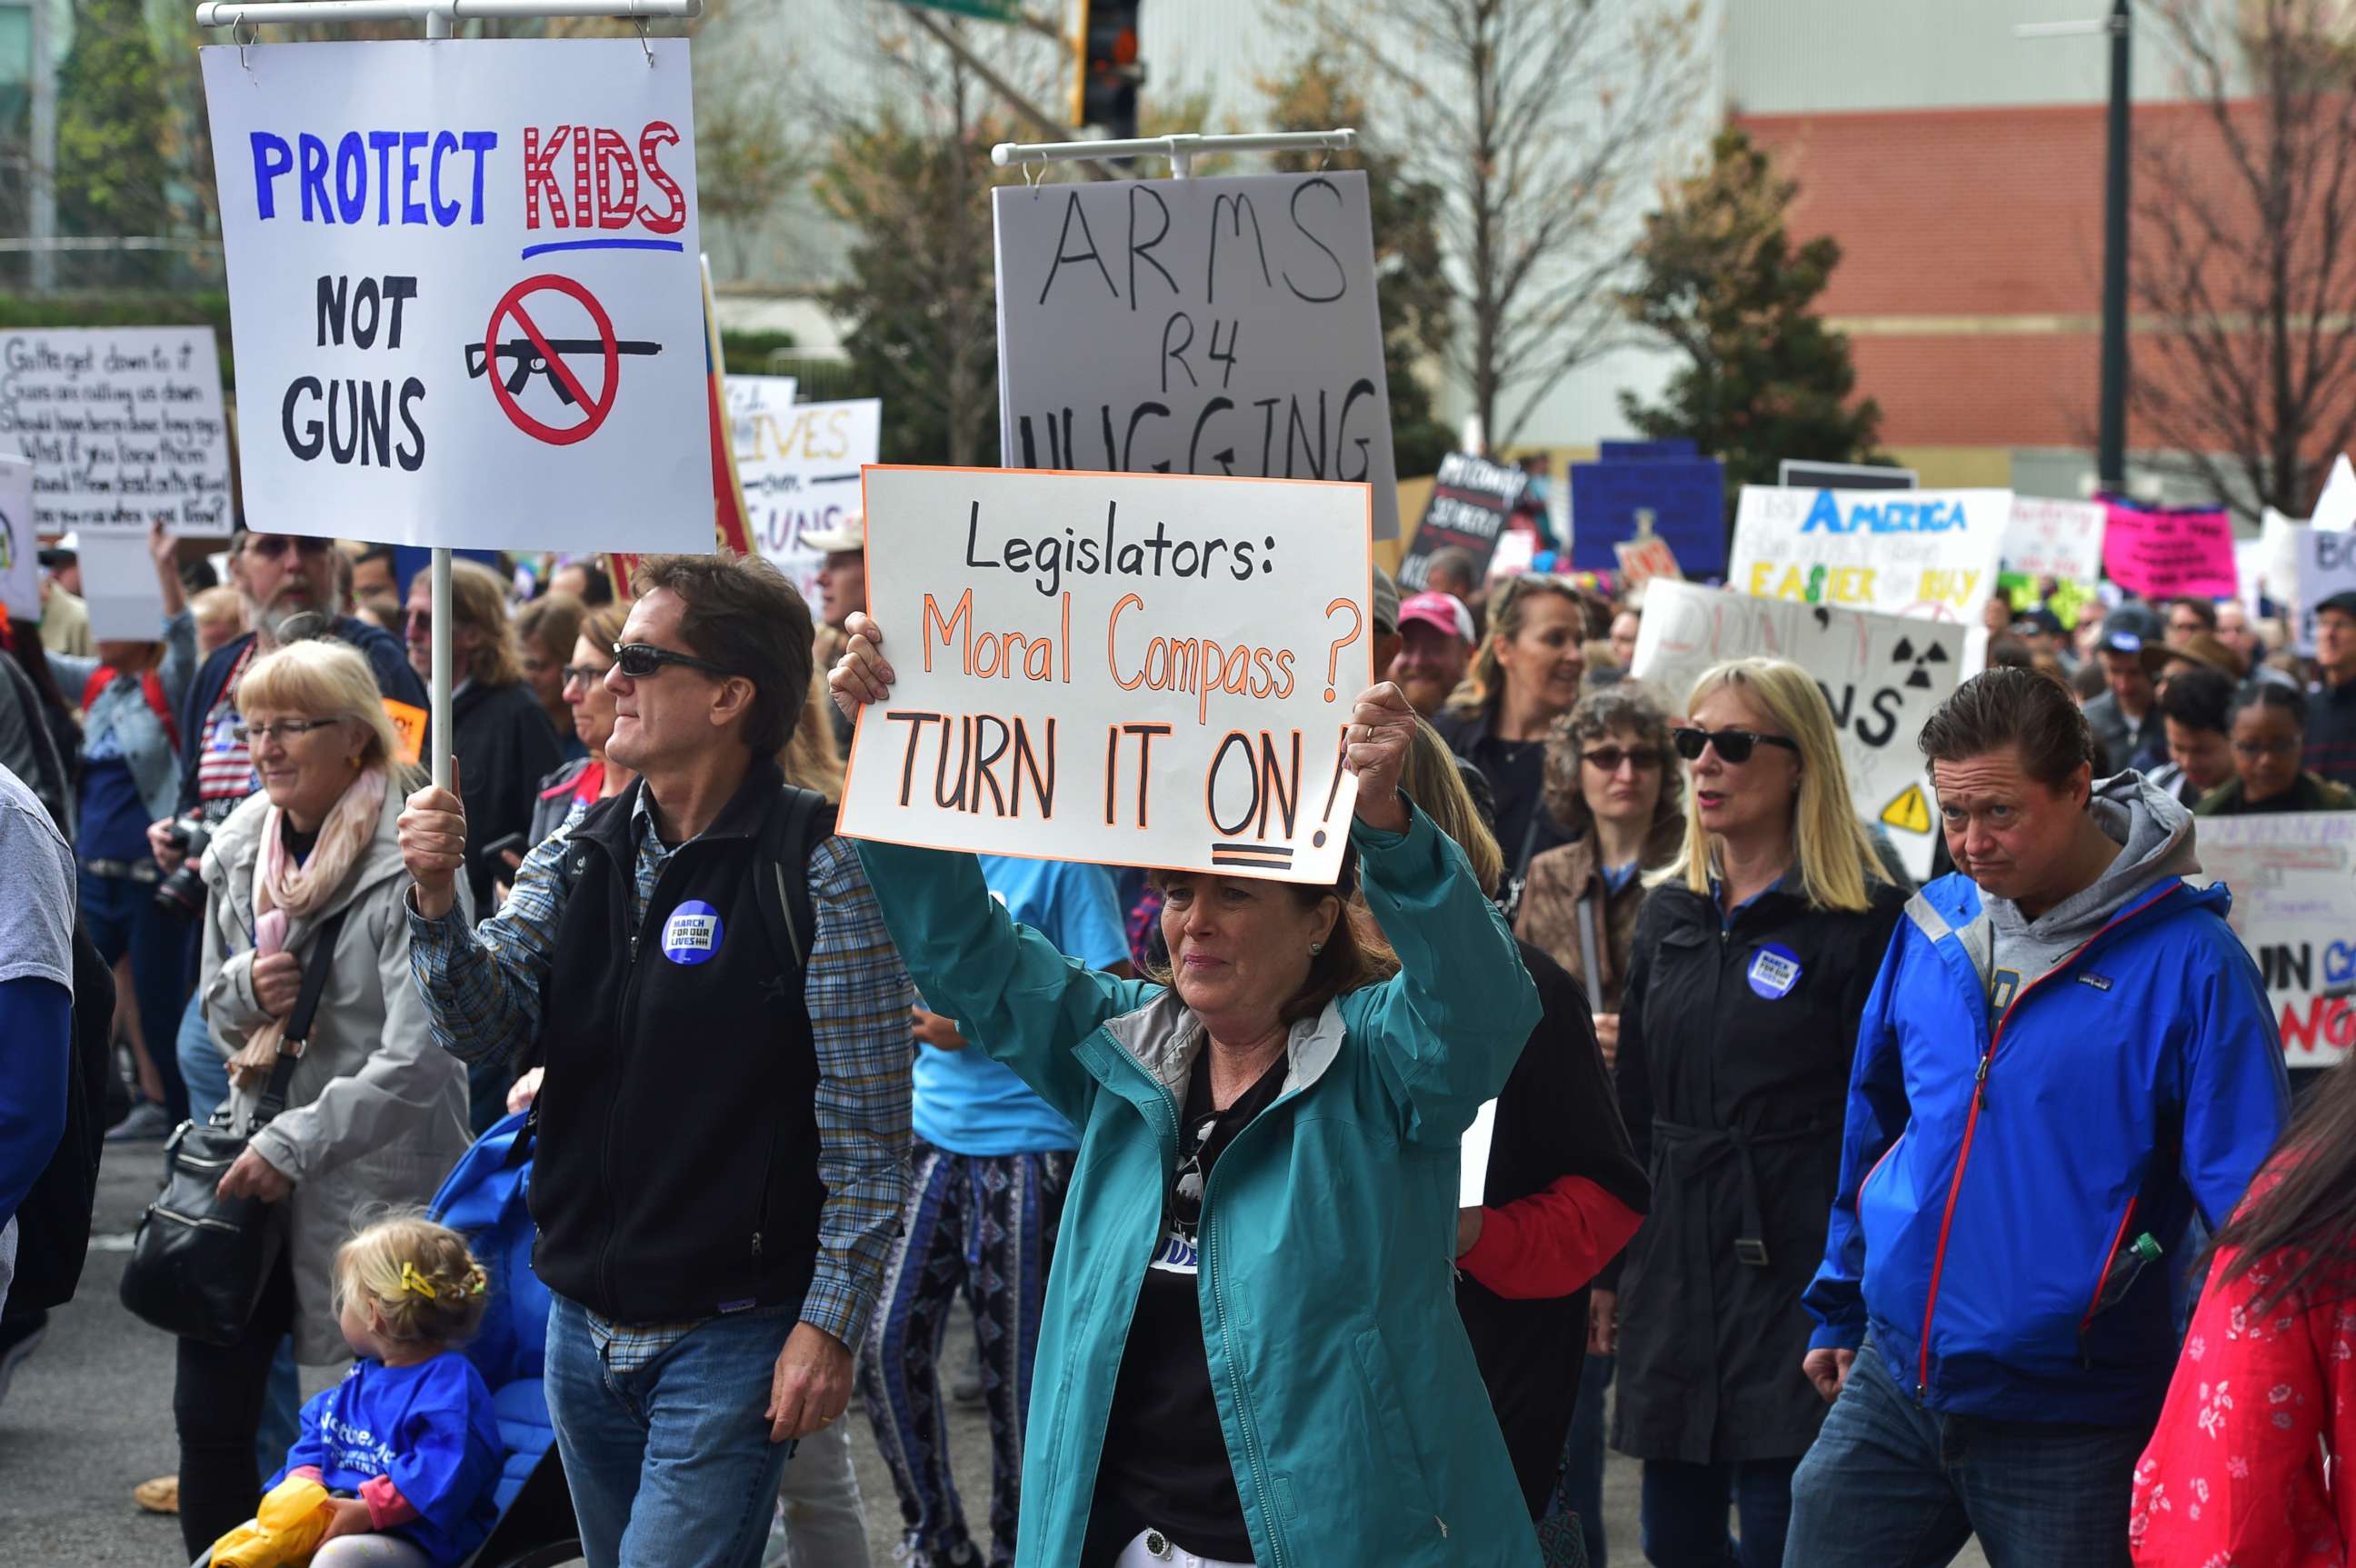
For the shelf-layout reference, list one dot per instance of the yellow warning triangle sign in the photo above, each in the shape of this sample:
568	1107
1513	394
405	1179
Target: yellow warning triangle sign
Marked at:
1910	812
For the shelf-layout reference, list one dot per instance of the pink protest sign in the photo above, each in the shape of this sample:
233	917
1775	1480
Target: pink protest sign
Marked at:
2159	553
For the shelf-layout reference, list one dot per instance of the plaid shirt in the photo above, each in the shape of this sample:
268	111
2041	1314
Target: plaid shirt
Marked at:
482	993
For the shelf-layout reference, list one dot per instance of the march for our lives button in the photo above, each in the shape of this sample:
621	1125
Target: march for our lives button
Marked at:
691	935
1774	969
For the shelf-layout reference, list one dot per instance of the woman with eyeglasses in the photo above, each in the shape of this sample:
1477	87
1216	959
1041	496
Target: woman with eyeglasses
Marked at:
2267	725
375	1113
1612	780
1252	1351
546	630
1748	973
1525	676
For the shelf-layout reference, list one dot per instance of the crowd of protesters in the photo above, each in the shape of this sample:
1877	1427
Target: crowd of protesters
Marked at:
1868	1218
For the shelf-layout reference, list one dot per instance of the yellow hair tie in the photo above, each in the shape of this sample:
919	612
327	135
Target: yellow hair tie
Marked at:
413	1281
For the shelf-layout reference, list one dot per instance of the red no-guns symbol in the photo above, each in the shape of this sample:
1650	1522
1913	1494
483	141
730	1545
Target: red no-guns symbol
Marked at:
551	357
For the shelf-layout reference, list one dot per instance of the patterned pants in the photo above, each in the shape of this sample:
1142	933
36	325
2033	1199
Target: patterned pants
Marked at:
984	1225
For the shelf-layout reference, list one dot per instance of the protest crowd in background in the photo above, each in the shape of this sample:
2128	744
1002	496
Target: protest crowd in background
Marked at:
1320	1030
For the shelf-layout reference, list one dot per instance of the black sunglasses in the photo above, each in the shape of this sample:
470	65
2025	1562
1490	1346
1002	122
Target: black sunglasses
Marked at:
1608	759
1734	746
641	659
271	546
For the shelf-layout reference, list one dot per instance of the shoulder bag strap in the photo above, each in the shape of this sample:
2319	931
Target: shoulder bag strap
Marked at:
298	1023
1591	965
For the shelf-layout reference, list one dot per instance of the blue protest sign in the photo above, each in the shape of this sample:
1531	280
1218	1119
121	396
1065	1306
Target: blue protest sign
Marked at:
1686	497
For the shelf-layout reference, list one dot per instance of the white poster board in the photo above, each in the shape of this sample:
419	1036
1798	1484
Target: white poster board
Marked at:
1194	327
2062	540
2293	882
751	395
2327	565
20	560
118	585
1930	553
1883	675
463	291
800	471
1125	668
122	424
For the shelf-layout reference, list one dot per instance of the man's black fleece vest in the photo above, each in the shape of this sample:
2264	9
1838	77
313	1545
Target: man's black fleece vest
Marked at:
677	1169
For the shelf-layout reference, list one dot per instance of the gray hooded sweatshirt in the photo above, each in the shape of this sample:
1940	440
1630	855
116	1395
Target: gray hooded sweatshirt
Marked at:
2155	835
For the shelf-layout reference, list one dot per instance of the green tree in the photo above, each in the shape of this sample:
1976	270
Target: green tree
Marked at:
112	166
1418	301
1721	279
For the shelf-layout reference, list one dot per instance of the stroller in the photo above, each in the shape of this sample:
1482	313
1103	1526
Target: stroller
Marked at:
483	1198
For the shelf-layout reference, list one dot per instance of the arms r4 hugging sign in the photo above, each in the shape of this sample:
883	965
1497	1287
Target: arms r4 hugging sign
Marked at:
1125	668
463	290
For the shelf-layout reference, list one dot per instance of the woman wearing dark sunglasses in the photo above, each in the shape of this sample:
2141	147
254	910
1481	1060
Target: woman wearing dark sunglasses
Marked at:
1251	1350
1750	969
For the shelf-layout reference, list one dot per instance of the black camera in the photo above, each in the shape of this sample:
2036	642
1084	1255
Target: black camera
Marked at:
182	894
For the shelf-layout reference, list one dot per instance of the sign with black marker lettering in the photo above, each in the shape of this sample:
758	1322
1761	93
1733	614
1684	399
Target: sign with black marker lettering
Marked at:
1883	676
122	424
1194	327
463	291
1127	669
20	571
2292	876
800	465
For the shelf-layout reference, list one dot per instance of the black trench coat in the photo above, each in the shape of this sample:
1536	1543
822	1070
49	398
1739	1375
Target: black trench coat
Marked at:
1733	1074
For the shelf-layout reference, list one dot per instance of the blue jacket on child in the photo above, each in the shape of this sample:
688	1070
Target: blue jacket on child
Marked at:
421	1436
1991	1176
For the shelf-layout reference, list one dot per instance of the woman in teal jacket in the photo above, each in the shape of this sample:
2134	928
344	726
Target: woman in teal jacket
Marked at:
1250	1348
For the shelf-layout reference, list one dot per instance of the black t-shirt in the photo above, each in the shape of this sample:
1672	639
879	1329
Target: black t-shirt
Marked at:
1165	1464
298	844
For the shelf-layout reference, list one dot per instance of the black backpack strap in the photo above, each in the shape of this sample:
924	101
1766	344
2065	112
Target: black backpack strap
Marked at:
797	823
298	1023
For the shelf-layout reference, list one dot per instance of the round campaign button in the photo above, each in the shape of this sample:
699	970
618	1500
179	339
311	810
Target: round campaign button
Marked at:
691	935
1774	969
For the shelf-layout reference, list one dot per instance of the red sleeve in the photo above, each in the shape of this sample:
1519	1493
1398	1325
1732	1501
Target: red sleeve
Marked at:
386	1505
304	1473
2234	1472
1551	1242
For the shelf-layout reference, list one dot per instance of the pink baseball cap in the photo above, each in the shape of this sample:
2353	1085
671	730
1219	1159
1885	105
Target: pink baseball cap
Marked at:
1443	612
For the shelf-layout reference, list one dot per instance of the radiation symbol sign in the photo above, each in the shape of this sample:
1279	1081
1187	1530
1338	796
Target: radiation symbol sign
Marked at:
1909	812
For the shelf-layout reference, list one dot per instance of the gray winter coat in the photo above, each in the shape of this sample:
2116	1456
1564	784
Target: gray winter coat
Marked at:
376	1114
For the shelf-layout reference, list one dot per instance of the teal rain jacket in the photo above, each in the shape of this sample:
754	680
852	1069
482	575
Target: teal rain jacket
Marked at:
1354	1412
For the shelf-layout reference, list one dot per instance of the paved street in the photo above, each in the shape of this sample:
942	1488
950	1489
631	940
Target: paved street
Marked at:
89	1416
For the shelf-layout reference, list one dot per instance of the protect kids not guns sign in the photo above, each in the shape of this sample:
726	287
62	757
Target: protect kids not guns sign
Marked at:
463	290
1124	669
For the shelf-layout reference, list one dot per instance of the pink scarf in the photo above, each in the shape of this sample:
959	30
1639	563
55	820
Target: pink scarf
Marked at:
284	892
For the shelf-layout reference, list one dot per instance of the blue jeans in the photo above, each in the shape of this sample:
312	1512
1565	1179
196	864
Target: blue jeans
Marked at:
122	919
207	1077
1580	1489
1891	1485
1684	1512
671	1464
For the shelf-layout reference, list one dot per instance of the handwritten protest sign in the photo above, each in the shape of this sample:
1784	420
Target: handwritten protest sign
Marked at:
1641	559
2062	539
463	290
801	476
1883	676
1471	500
2160	552
1115	668
1929	553
122	424
751	395
2327	565
1194	327
119	588
20	561
2293	882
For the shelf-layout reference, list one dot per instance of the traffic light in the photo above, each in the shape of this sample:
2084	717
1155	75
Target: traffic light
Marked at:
1106	94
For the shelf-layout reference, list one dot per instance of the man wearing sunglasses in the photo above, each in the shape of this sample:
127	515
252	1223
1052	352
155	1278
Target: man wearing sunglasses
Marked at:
724	1110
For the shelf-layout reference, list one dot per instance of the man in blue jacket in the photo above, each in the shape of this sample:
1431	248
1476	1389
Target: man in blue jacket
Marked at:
2067	1055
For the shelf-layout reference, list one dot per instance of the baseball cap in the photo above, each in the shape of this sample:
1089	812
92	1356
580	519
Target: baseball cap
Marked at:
851	535
66	551
2038	619
2343	601
1387	602
2127	628
1443	612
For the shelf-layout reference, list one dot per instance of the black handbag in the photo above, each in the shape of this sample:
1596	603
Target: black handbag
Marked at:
200	1260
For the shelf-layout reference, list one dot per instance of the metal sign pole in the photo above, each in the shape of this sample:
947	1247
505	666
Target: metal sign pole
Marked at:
1180	150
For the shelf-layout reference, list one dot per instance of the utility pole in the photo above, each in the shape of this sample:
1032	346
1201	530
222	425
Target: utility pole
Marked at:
2110	457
